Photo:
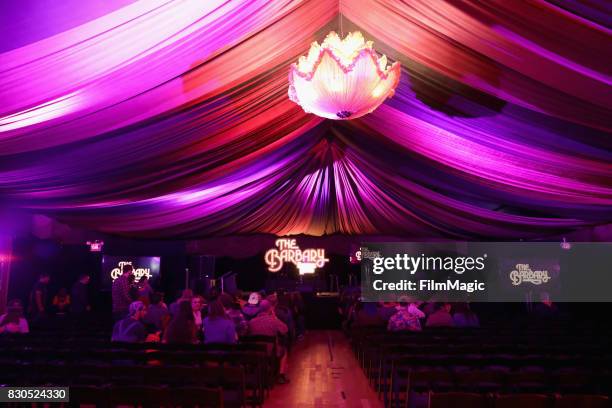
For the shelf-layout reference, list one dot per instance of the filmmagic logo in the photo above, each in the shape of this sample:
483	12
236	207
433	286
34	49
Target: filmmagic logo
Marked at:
524	273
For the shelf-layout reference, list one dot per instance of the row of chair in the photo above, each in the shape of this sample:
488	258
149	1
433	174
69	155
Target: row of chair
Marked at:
245	371
474	400
402	365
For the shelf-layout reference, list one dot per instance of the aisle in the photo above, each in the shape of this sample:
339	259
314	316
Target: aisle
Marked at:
324	374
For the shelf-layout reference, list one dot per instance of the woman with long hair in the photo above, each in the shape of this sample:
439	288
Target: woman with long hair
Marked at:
218	327
182	328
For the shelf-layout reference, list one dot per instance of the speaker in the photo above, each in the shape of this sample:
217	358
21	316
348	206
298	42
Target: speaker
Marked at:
203	266
202	277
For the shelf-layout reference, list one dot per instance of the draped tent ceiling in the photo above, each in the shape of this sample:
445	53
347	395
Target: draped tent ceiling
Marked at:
171	119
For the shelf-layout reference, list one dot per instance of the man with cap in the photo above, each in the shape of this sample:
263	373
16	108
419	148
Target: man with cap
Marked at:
252	308
131	329
407	316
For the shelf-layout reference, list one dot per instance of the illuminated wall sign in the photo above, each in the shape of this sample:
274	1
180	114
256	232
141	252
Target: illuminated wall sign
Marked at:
524	273
137	272
287	250
95	246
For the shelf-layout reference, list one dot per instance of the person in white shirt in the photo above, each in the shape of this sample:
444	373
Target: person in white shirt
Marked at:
197	303
13	321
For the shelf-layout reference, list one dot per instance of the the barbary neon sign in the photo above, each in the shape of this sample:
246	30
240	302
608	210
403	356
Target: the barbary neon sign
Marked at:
287	250
138	272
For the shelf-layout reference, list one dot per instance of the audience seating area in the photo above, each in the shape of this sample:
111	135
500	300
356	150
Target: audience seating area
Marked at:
101	373
492	367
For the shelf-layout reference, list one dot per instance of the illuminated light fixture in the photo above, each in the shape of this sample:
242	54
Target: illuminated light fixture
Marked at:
95	246
342	79
565	245
306	267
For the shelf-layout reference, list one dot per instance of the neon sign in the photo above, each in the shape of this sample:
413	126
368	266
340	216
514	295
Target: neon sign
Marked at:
287	250
95	246
138	272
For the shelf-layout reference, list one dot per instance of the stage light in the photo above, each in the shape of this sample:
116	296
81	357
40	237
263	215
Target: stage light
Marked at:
306	267
342	79
566	245
95	246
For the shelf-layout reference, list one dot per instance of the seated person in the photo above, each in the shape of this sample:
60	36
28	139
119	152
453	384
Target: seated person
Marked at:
545	309
131	329
366	314
157	312
186	296
441	317
267	324
386	310
217	326
234	312
463	316
13	321
406	317
182	328
251	309
197	304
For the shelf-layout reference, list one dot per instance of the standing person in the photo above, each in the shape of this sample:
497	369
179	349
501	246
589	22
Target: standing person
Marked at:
267	324
218	327
61	302
131	329
80	296
121	293
38	299
181	329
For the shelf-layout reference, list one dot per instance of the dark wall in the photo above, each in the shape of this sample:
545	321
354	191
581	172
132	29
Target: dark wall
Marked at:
65	263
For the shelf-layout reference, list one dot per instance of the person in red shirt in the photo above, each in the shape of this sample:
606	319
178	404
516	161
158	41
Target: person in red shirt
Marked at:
267	324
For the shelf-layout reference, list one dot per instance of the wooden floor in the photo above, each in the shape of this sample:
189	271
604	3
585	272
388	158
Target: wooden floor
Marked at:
324	374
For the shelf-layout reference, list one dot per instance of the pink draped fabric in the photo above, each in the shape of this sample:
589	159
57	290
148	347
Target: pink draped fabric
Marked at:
171	119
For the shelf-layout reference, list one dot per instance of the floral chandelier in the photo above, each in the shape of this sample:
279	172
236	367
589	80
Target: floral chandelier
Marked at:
342	79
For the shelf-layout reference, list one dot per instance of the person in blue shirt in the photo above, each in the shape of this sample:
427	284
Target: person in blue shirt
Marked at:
217	326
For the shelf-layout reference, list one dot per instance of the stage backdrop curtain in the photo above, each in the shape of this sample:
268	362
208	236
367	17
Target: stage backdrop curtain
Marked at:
171	119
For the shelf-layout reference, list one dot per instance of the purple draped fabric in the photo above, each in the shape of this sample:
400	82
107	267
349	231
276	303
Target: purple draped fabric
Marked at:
171	119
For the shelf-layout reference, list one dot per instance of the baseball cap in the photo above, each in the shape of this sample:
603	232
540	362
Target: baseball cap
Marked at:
254	298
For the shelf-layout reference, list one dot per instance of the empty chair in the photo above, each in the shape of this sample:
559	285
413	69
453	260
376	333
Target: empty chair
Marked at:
582	401
571	380
137	396
479	380
187	397
85	396
457	400
434	379
529	380
522	401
